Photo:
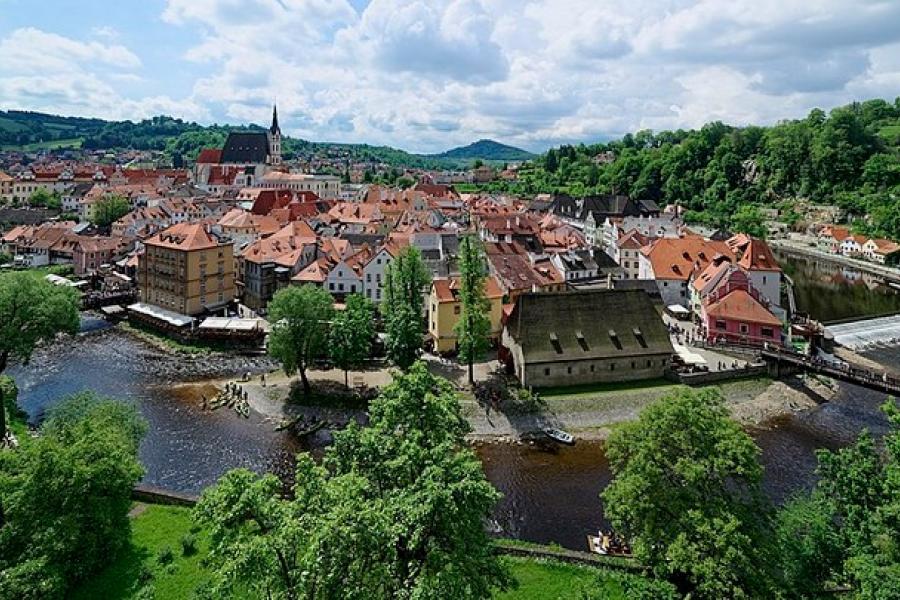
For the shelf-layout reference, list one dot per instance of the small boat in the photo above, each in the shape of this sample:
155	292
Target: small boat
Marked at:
608	544
558	435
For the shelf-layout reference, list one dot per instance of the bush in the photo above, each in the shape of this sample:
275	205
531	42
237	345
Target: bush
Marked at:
165	556
188	544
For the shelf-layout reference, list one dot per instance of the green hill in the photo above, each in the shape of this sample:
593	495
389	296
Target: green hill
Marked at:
486	150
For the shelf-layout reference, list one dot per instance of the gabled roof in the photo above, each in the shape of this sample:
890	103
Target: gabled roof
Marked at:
758	256
209	156
739	305
447	289
588	324
185	236
245	147
677	258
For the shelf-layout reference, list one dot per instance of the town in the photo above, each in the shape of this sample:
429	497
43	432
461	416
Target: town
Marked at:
461	300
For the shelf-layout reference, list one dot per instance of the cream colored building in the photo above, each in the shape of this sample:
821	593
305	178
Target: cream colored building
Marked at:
444	309
187	269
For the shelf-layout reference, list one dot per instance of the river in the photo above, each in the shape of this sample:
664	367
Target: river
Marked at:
547	496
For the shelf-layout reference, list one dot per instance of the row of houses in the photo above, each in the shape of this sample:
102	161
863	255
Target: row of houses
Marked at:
840	240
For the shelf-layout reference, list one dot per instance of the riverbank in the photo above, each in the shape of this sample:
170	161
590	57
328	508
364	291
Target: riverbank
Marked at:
589	414
801	248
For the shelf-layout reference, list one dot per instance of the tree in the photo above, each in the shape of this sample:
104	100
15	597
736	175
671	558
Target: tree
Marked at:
68	493
473	329
750	220
351	333
685	492
808	545
395	511
406	278
40	197
300	319
109	209
31	310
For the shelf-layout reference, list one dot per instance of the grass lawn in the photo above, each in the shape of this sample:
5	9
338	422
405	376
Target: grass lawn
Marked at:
548	580
157	527
154	529
594	389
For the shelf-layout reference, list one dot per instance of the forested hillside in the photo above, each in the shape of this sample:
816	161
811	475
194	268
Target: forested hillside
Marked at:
849	157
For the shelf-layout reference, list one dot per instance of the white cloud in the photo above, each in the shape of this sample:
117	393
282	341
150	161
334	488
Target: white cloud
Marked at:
429	74
50	72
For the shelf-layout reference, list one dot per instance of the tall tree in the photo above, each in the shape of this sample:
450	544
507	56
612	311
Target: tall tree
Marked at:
31	310
405	282
109	209
300	319
473	329
686	493
395	512
68	493
350	341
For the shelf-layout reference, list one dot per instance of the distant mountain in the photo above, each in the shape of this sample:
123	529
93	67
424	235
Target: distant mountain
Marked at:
30	131
485	150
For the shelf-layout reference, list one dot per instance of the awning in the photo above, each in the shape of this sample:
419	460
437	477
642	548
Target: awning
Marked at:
677	309
161	314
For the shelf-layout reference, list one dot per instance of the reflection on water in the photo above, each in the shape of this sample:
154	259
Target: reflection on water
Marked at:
554	497
829	291
548	497
186	449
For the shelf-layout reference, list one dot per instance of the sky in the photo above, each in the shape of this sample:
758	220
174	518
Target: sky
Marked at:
427	75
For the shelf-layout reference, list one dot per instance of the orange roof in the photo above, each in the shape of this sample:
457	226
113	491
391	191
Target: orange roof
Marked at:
210	156
707	278
185	236
739	305
758	257
677	258
632	240
883	246
447	289
315	272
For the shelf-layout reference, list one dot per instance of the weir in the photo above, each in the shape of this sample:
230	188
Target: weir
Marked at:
858	335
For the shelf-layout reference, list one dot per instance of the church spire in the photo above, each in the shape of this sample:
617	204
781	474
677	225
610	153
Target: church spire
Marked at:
275	129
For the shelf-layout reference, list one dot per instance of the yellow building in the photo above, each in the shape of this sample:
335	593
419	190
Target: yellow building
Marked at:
187	269
444	309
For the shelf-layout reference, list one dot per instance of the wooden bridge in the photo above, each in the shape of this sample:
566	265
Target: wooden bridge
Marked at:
782	362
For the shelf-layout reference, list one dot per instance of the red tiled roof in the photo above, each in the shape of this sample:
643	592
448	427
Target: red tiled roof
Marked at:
758	256
739	305
185	236
210	156
677	258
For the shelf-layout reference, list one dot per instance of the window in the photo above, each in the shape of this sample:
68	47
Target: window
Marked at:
546	372
721	325
331	286
352	287
368	278
456	309
612	366
744	328
767	332
340	287
592	368
633	365
569	370
649	363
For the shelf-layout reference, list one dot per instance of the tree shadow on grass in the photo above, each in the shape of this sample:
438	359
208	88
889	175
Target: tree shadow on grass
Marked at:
121	579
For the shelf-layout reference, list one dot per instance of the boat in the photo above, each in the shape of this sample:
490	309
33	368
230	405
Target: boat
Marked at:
608	544
558	435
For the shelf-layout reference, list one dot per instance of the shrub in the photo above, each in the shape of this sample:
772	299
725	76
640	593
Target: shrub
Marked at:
165	556
188	544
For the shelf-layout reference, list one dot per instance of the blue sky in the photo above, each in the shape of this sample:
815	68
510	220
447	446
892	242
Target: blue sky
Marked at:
427	75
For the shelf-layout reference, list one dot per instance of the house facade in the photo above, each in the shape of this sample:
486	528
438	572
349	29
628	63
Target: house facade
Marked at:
444	310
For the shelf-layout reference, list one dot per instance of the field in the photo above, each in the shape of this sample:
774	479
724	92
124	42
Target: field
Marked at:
156	529
50	145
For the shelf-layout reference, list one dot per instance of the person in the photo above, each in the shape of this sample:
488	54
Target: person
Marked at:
262	379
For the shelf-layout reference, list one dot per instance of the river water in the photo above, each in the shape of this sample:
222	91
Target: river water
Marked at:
548	496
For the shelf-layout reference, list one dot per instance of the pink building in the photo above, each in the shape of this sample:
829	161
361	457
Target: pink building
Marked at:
735	312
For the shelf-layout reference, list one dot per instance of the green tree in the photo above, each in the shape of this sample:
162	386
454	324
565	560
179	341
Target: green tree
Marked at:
31	310
396	511
686	494
405	281
808	545
473	329
750	220
68	493
351	334
109	209
300	318
40	197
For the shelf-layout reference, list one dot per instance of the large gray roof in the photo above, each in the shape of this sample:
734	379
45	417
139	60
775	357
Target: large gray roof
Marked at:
245	147
591	324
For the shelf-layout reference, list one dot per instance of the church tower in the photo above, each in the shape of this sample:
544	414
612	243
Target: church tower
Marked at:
274	139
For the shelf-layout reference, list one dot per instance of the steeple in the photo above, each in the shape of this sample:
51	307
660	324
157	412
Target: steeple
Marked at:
274	136
275	129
